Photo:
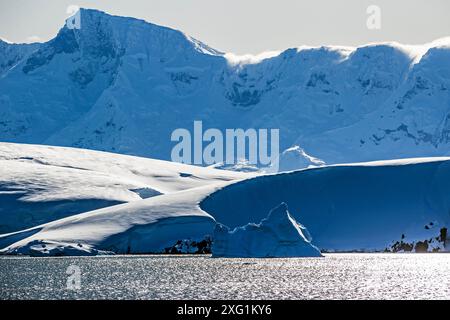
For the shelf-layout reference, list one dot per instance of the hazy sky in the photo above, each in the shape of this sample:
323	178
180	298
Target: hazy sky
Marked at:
247	26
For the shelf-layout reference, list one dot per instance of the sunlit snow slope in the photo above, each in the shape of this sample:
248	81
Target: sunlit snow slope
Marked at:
39	184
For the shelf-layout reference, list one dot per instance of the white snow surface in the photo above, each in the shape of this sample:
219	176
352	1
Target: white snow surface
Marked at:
277	235
145	226
347	207
39	184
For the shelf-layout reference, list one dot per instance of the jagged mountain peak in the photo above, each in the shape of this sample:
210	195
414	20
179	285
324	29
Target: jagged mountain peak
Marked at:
96	24
99	35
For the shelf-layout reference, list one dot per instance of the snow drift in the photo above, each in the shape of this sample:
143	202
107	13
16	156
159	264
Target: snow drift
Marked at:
278	235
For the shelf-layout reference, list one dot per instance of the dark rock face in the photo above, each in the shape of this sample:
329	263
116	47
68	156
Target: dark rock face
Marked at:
421	246
401	246
188	246
434	244
64	42
443	237
244	97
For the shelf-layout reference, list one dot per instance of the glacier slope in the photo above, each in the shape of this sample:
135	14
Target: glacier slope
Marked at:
39	184
145	226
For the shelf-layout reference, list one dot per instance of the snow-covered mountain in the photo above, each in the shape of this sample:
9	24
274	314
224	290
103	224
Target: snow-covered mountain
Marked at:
123	85
12	53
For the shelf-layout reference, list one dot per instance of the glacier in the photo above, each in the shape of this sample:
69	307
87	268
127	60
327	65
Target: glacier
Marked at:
54	187
396	205
123	85
350	207
277	235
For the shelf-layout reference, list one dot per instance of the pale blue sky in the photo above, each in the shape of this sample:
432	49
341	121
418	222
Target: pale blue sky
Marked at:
247	26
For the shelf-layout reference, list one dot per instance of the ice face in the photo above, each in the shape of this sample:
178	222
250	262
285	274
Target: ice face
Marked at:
278	235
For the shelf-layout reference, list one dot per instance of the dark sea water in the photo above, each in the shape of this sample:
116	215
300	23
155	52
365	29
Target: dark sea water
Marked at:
336	276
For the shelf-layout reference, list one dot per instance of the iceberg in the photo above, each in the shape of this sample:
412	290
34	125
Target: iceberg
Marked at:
279	235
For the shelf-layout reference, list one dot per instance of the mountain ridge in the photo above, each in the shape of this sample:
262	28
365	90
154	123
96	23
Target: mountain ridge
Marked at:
123	85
